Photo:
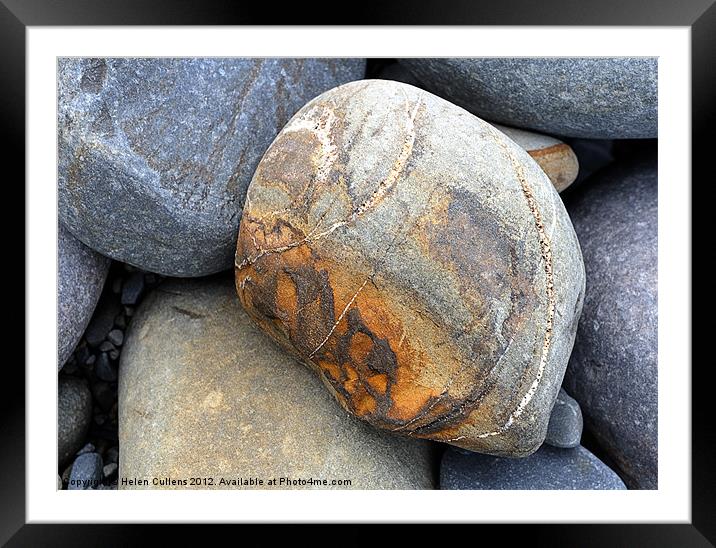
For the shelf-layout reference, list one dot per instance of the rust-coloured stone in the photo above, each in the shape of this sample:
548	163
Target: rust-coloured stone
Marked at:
420	261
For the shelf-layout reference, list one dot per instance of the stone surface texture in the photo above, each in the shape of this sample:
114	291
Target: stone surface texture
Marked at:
548	468
81	274
86	472
566	422
557	159
155	154
204	393
74	414
420	261
613	369
598	98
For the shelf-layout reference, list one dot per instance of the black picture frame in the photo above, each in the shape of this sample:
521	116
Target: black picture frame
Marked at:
16	15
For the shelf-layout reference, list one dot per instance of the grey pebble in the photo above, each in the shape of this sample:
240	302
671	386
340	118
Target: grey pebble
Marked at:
80	276
613	369
74	414
548	468
86	472
116	337
565	422
104	369
106	346
133	288
102	321
109	469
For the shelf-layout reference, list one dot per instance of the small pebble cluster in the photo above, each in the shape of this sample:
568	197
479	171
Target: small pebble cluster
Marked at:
467	266
87	384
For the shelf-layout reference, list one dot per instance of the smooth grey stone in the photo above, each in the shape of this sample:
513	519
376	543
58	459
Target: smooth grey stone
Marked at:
102	321
74	413
565	422
106	346
116	337
548	468
80	277
86	472
612	372
133	288
109	469
597	98
155	154
104	369
204	393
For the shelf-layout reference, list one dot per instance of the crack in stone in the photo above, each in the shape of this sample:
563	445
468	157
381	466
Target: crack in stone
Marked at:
546	252
383	187
340	317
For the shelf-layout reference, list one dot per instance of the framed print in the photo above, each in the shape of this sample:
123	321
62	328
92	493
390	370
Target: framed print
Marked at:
359	274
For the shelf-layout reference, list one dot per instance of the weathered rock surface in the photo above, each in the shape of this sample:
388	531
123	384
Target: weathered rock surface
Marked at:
203	393
74	413
565	422
419	260
80	277
613	369
598	98
556	158
548	468
155	154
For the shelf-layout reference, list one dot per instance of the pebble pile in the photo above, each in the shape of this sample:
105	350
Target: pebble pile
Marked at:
351	274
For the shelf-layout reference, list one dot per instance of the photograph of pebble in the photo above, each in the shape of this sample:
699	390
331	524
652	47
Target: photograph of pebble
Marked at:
343	273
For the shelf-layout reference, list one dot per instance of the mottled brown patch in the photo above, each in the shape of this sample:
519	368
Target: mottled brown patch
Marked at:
473	246
336	320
